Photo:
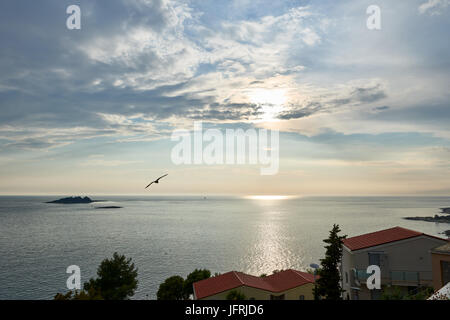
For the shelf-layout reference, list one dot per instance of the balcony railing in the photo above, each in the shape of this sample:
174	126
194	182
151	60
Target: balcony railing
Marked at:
409	276
397	276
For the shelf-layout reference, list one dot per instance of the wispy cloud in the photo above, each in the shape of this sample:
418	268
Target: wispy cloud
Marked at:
434	7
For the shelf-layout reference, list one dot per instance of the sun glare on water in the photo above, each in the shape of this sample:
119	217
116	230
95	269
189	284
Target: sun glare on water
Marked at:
268	197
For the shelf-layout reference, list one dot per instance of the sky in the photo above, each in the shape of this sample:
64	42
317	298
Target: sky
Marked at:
92	111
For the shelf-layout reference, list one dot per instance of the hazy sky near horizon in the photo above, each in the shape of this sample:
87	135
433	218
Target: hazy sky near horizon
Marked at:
91	111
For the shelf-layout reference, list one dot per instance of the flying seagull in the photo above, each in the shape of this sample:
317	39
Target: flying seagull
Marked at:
156	181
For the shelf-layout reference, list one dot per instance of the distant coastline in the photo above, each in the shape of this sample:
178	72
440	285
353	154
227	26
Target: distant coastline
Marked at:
436	218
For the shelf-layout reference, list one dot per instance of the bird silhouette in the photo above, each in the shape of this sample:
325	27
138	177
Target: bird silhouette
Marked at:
156	181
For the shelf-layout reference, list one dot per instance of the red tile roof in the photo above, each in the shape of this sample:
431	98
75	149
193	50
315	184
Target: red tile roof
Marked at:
382	237
277	282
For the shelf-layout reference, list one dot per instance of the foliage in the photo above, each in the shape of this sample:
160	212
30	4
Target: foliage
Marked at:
276	271
392	293
312	271
117	280
79	295
396	293
177	288
328	285
235	295
422	293
194	276
171	289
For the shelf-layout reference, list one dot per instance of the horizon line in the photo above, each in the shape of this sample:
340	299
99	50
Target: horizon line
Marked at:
217	195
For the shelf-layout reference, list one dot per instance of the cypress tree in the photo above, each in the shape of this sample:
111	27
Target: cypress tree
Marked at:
328	285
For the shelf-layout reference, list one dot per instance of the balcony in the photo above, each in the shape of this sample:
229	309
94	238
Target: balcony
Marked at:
408	276
397	277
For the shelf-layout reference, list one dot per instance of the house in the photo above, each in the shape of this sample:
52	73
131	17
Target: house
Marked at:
403	256
440	260
284	285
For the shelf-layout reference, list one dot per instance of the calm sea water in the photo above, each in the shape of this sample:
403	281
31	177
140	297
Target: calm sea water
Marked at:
174	235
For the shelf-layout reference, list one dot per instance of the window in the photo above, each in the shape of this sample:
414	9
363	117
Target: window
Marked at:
252	298
302	297
346	277
281	297
374	258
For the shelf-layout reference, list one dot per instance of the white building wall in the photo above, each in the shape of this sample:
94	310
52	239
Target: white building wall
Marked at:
404	258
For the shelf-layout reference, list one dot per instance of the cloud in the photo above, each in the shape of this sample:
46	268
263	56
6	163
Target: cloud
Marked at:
368	95
381	108
147	60
139	68
236	112
434	7
335	100
42	138
99	160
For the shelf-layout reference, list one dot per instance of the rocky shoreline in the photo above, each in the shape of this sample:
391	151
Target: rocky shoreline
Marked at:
445	210
436	218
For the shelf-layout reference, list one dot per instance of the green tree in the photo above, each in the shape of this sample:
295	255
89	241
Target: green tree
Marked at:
328	285
396	293
79	295
171	289
194	276
117	280
235	295
312	271
392	293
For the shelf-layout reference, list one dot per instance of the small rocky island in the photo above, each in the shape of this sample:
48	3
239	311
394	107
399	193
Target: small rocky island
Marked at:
108	207
73	200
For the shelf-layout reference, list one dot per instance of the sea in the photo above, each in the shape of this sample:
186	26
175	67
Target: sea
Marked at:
173	235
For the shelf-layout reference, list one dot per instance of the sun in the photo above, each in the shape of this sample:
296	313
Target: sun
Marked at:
272	102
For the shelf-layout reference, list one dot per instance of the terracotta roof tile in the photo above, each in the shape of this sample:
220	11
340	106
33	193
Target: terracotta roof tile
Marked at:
277	282
382	237
221	283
